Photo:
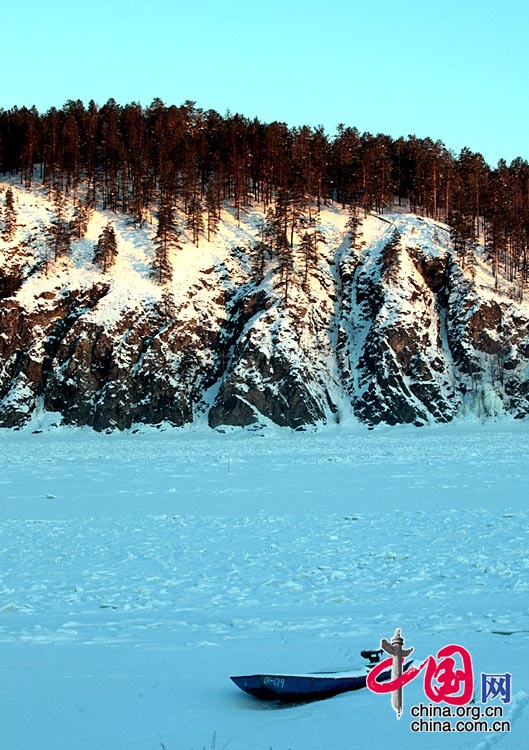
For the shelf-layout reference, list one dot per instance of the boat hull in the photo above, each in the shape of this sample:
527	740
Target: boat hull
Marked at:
300	688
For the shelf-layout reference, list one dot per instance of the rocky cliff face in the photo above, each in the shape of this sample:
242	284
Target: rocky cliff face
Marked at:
393	332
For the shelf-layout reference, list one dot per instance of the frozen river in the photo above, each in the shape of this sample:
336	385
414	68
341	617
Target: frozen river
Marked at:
138	571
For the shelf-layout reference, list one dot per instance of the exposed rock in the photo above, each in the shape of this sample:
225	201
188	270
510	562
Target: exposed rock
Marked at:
396	333
400	370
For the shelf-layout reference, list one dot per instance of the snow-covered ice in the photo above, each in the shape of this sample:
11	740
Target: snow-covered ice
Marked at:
139	570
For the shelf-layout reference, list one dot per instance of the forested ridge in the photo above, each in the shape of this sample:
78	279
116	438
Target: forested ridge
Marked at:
171	265
132	159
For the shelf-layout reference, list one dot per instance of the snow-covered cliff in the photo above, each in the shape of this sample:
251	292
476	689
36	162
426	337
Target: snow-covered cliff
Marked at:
392	331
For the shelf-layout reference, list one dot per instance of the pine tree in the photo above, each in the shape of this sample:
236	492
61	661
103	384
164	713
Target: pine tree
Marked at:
106	249
195	219
463	236
213	206
10	217
81	218
353	226
497	216
167	305
275	229
59	230
298	204
309	252
286	270
346	164
167	239
29	145
259	254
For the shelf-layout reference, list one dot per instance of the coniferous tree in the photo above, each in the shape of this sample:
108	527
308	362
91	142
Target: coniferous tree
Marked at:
59	229
320	158
463	236
517	249
81	219
346	153
70	144
309	250
275	241
29	145
274	233
89	128
497	218
260	254
297	201
306	247
279	219
213	206
168	234
51	165
106	250
285	266
193	200
162	271
167	304
126	155
377	188
10	217
167	240
112	153
195	218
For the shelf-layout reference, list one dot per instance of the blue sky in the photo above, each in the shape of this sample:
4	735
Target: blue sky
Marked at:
455	71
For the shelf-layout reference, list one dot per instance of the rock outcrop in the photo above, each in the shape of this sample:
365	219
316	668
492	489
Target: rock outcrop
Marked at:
395	332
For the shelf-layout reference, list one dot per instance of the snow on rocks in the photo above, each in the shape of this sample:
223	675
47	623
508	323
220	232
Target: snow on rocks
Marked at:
394	332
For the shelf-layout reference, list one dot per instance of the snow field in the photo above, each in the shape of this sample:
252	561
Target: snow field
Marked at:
138	571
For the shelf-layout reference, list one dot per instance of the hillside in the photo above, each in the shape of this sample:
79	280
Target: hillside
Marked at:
392	331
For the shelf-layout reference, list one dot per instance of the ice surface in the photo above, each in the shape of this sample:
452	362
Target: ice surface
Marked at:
139	570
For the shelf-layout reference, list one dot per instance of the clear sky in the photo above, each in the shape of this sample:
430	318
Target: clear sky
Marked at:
456	70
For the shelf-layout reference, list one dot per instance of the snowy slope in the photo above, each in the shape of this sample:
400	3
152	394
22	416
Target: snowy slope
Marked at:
375	336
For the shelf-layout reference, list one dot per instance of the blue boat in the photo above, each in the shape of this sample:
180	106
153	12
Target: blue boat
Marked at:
300	688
